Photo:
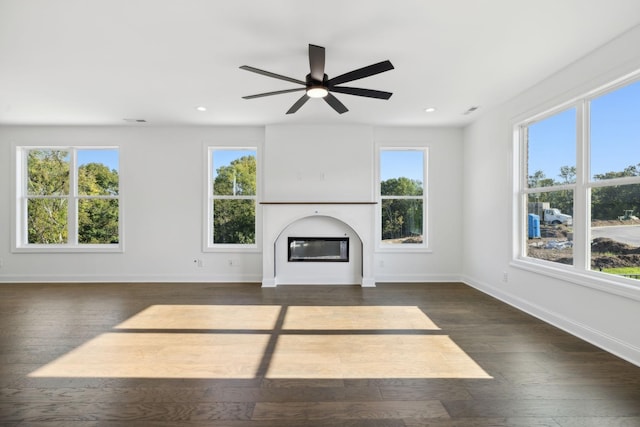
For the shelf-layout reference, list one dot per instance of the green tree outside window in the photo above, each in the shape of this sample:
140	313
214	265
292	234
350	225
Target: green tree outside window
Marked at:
233	201
52	203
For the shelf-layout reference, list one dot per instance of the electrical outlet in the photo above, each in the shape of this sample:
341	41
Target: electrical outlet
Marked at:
505	276
198	263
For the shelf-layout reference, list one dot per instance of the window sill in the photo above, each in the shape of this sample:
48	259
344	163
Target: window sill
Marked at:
620	286
233	248
69	249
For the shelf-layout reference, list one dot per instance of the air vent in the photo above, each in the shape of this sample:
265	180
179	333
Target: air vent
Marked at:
471	110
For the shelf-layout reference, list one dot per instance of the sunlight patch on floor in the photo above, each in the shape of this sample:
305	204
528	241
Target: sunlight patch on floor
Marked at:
256	317
371	356
250	341
158	355
360	317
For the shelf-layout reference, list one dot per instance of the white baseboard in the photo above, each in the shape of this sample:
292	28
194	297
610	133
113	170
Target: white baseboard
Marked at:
86	278
417	278
606	342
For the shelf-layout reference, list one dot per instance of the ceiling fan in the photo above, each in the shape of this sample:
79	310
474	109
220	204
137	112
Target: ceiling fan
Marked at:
318	85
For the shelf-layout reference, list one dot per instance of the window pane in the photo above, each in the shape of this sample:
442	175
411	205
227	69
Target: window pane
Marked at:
48	172
551	150
234	172
234	221
550	226
615	126
47	221
615	230
98	221
402	221
401	172
98	172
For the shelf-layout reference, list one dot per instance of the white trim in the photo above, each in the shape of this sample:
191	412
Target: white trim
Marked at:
580	272
392	249
423	247
609	283
269	282
418	278
598	338
19	236
130	278
61	249
581	217
207	239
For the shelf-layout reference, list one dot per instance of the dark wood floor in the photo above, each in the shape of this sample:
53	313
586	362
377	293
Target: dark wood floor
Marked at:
535	374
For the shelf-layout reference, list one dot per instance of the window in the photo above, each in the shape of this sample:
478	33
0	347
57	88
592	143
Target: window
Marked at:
232	198
551	171
403	199
583	162
69	198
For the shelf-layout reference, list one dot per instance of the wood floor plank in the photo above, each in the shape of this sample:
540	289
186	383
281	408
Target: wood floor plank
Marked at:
599	422
125	412
485	422
296	394
542	408
336	411
201	354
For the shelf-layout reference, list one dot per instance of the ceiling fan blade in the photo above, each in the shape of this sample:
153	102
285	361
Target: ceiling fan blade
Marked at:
335	104
316	62
299	103
270	74
277	92
361	73
370	93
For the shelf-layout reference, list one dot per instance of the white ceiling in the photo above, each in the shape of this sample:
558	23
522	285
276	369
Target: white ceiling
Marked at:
98	62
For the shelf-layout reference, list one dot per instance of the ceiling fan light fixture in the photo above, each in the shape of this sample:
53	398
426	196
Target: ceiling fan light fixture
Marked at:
317	92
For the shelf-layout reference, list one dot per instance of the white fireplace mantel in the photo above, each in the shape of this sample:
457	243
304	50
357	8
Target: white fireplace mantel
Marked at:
277	216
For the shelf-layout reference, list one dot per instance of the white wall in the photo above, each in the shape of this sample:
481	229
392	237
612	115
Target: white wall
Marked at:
318	164
338	163
162	178
163	173
443	261
607	319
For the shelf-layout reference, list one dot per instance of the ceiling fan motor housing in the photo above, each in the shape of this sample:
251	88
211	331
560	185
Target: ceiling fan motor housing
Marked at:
316	83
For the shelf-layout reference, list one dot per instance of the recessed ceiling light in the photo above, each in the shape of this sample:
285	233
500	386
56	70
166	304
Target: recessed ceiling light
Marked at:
201	108
430	109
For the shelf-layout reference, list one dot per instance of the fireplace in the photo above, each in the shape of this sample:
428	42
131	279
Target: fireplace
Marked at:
318	249
345	261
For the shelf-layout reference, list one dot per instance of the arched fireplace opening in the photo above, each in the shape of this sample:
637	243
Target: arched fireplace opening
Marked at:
341	225
318	250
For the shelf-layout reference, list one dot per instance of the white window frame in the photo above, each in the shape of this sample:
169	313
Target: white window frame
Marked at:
524	190
20	235
580	272
208	244
414	247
